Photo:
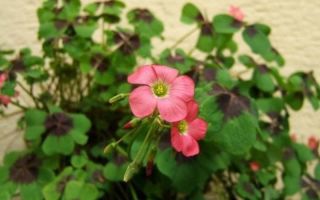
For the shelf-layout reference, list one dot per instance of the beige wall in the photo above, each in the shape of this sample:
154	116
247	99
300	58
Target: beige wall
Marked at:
295	33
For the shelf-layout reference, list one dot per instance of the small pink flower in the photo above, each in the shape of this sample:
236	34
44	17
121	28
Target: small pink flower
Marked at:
236	12
293	137
254	166
161	88
186	133
313	142
3	78
5	100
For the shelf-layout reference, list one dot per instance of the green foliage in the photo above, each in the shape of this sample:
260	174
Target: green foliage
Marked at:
87	54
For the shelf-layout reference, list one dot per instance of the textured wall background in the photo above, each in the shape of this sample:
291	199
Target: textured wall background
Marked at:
295	33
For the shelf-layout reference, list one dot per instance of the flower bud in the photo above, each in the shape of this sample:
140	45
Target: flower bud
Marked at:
132	123
254	166
118	97
313	143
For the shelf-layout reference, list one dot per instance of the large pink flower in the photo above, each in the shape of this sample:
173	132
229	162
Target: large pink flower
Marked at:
161	88
236	12
186	133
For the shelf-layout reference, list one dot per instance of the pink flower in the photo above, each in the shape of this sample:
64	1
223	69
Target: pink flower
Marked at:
254	166
161	88
5	100
236	12
313	143
186	133
3	78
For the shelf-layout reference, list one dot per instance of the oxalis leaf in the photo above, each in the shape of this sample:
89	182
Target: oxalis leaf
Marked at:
238	135
226	24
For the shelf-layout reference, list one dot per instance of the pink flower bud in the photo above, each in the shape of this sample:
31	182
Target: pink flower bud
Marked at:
254	166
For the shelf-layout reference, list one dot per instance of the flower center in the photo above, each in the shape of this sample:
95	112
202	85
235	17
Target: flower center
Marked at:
183	127
160	89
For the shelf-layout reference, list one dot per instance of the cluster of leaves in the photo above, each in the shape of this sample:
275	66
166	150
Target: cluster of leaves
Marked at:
86	57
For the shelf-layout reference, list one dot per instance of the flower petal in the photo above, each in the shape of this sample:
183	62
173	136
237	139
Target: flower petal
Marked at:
172	109
144	75
197	128
142	102
193	109
164	73
190	146
176	139
183	87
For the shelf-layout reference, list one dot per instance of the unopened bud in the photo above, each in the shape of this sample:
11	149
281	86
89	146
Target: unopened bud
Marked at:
118	97
109	148
313	143
132	123
254	166
131	170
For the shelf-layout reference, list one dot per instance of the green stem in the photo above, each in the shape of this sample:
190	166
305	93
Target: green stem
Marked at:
135	164
17	104
30	93
184	37
133	193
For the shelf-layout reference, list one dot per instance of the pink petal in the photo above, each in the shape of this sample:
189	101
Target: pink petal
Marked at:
193	108
190	146
236	12
167	74
142	102
176	139
197	129
144	75
183	87
172	109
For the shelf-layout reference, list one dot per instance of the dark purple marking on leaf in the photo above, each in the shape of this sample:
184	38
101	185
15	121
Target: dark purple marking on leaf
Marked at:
100	62
60	24
25	169
70	31
248	187
312	195
173	59
230	102
57	10
62	183
97	176
58	124
17	65
129	46
109	3
143	15
288	153
251	30
119	159
209	74
236	23
206	29
200	18
263	69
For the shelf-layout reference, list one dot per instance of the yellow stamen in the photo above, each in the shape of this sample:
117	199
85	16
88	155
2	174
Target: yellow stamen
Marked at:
182	127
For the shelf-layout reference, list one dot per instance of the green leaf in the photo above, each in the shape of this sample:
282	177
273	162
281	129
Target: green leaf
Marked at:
30	192
291	184
86	30
8	88
91	8
270	105
257	41
225	24
79	137
294	100
73	189
292	167
190	14
34	132
264	81
238	135
78	161
35	117
114	172
104	78
205	43
303	152
247	61
81	123
58	145
70	10
224	78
